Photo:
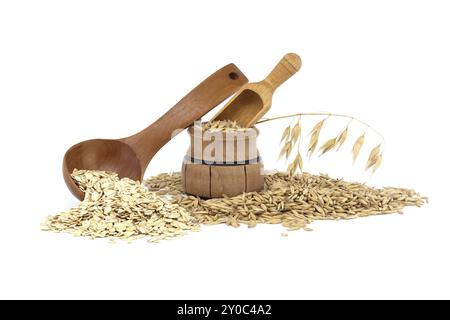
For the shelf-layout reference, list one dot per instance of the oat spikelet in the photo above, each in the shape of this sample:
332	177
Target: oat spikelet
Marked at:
291	169
286	134
289	149
357	147
299	162
327	146
318	126
373	157
341	138
283	151
286	151
312	146
296	132
315	133
377	163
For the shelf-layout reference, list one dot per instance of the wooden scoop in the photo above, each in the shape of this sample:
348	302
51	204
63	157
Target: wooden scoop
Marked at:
253	100
129	157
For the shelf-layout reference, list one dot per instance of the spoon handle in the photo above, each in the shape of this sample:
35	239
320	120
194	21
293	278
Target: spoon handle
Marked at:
207	95
285	69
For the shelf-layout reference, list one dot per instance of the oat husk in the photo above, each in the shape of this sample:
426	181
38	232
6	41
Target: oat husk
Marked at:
291	200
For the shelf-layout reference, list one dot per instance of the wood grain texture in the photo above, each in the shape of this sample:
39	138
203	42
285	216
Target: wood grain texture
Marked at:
254	99
209	181
129	157
254	177
183	174
228	180
199	180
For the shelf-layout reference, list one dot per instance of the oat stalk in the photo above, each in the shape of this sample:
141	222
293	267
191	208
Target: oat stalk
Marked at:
291	138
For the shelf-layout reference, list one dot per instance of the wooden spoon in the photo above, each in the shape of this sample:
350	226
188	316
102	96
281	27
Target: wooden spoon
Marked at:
129	157
253	100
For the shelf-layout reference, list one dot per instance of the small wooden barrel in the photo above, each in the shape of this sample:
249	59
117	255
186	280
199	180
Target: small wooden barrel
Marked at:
222	163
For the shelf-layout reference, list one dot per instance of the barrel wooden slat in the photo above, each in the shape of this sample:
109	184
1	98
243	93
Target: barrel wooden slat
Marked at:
228	180
183	175
197	180
209	181
254	177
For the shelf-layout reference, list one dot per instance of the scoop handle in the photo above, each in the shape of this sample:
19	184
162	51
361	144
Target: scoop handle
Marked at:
286	68
207	95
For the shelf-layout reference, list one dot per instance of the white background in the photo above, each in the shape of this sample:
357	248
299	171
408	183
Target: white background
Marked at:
74	70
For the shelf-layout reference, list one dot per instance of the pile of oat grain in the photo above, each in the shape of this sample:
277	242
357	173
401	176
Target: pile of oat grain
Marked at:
126	209
221	126
293	201
120	208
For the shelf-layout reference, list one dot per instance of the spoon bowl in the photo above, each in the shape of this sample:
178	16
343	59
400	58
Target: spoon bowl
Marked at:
245	106
101	154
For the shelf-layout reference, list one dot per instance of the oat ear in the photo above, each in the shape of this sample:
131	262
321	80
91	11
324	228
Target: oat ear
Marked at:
285	134
357	147
377	163
374	156
315	134
299	162
287	148
296	132
327	146
340	139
